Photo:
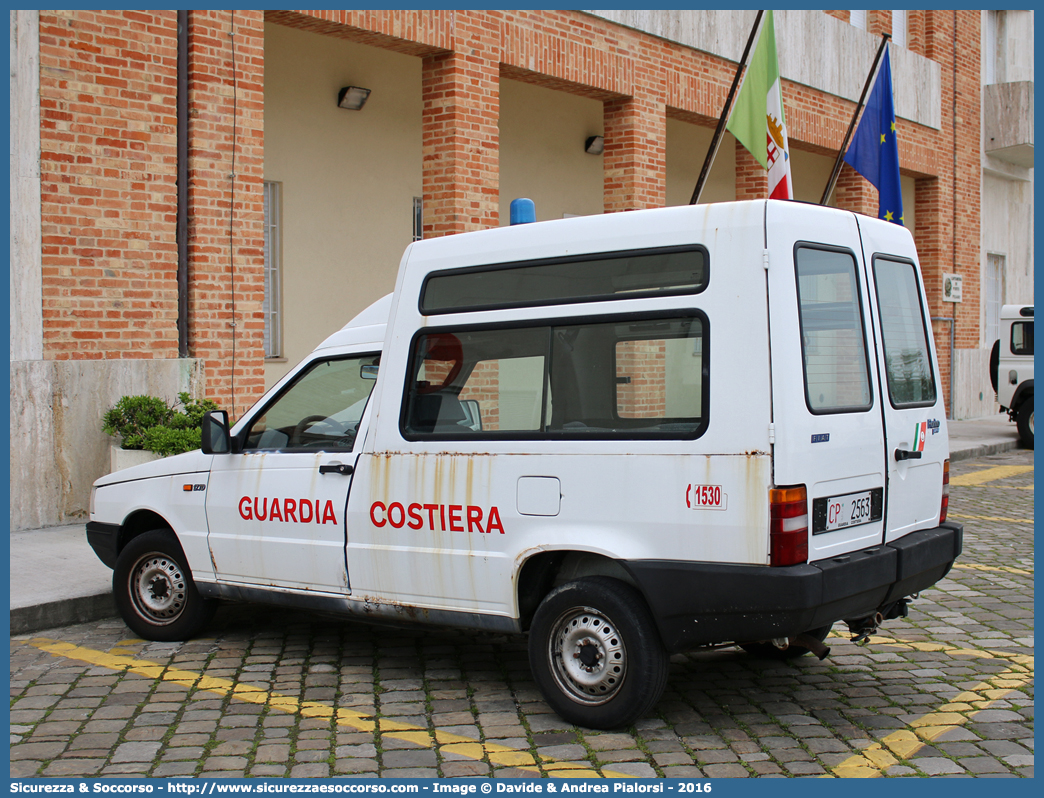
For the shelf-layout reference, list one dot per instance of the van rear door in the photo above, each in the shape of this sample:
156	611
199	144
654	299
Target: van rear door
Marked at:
825	394
912	403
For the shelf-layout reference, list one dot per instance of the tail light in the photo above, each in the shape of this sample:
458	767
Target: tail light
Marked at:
946	491
788	525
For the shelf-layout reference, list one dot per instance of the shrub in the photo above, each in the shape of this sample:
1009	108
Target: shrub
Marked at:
132	416
165	441
147	422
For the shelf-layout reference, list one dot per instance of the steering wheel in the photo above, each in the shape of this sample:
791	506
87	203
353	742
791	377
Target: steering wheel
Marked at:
301	426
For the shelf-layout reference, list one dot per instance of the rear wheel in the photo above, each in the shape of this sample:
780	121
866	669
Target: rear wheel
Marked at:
595	653
154	590
769	651
1024	421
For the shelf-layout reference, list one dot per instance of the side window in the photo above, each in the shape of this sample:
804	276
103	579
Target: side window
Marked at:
905	334
321	409
833	346
669	271
478	381
1022	338
630	379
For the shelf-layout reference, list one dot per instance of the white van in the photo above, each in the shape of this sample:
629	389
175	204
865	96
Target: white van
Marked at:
627	435
1011	368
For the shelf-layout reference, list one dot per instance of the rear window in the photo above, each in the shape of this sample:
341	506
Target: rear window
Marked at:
623	378
833	346
1022	338
618	275
904	331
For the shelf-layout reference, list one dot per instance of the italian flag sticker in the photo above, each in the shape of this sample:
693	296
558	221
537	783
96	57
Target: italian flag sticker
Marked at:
920	433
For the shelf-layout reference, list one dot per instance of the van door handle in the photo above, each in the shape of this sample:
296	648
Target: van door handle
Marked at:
336	468
902	454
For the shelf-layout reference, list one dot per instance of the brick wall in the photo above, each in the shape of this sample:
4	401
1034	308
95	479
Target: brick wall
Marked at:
915	31
635	157
878	22
641	371
948	206
751	177
108	198
226	250
108	140
854	193
461	96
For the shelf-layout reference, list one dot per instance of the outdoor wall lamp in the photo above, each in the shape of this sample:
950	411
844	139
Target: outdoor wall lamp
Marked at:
352	98
594	145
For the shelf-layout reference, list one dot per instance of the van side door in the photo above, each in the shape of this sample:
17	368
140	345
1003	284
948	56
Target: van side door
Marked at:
912	405
276	509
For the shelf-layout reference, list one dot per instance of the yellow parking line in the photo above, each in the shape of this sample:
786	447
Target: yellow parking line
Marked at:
1001	569
991	518
456	743
872	761
1023	660
988	475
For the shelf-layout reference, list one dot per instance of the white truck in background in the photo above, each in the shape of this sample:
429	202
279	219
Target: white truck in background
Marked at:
1011	368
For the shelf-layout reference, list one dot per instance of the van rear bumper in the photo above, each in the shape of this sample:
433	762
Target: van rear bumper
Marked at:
697	603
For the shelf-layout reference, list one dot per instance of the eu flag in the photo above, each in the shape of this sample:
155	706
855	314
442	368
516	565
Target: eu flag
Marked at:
874	152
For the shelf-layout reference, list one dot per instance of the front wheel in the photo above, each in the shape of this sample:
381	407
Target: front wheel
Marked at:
154	590
1024	421
595	653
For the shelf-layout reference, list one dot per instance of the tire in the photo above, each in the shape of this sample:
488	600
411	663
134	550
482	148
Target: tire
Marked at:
617	670
154	590
994	364
1024	421
769	651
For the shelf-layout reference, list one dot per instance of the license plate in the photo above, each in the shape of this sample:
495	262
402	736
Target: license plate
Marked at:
852	509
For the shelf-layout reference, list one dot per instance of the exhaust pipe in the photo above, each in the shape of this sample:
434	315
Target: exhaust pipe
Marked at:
816	646
862	628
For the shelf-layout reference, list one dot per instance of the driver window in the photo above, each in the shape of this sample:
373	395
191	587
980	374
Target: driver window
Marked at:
320	411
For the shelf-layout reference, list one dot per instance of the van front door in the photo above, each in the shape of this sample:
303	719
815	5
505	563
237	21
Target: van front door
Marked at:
825	399
276	510
914	414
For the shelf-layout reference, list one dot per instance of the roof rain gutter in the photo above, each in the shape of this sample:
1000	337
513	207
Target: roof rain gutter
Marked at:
182	183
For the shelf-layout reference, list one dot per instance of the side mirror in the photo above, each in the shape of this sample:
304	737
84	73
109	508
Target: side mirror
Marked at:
368	371
216	438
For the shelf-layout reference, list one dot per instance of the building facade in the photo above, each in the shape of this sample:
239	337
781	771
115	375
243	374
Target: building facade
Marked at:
193	210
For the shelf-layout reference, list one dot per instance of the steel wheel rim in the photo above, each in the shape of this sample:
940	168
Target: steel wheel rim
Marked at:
587	655
158	588
1031	422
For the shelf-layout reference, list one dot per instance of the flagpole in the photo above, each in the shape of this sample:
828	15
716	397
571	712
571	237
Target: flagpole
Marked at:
724	118
862	99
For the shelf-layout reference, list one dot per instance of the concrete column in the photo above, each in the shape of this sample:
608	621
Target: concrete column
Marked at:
26	259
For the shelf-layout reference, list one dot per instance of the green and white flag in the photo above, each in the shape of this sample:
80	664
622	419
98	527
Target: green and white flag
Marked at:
757	119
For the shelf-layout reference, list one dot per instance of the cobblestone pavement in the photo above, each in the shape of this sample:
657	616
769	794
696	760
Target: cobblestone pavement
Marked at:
947	691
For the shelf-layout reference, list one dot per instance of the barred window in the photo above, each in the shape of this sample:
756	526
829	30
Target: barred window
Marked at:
273	303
